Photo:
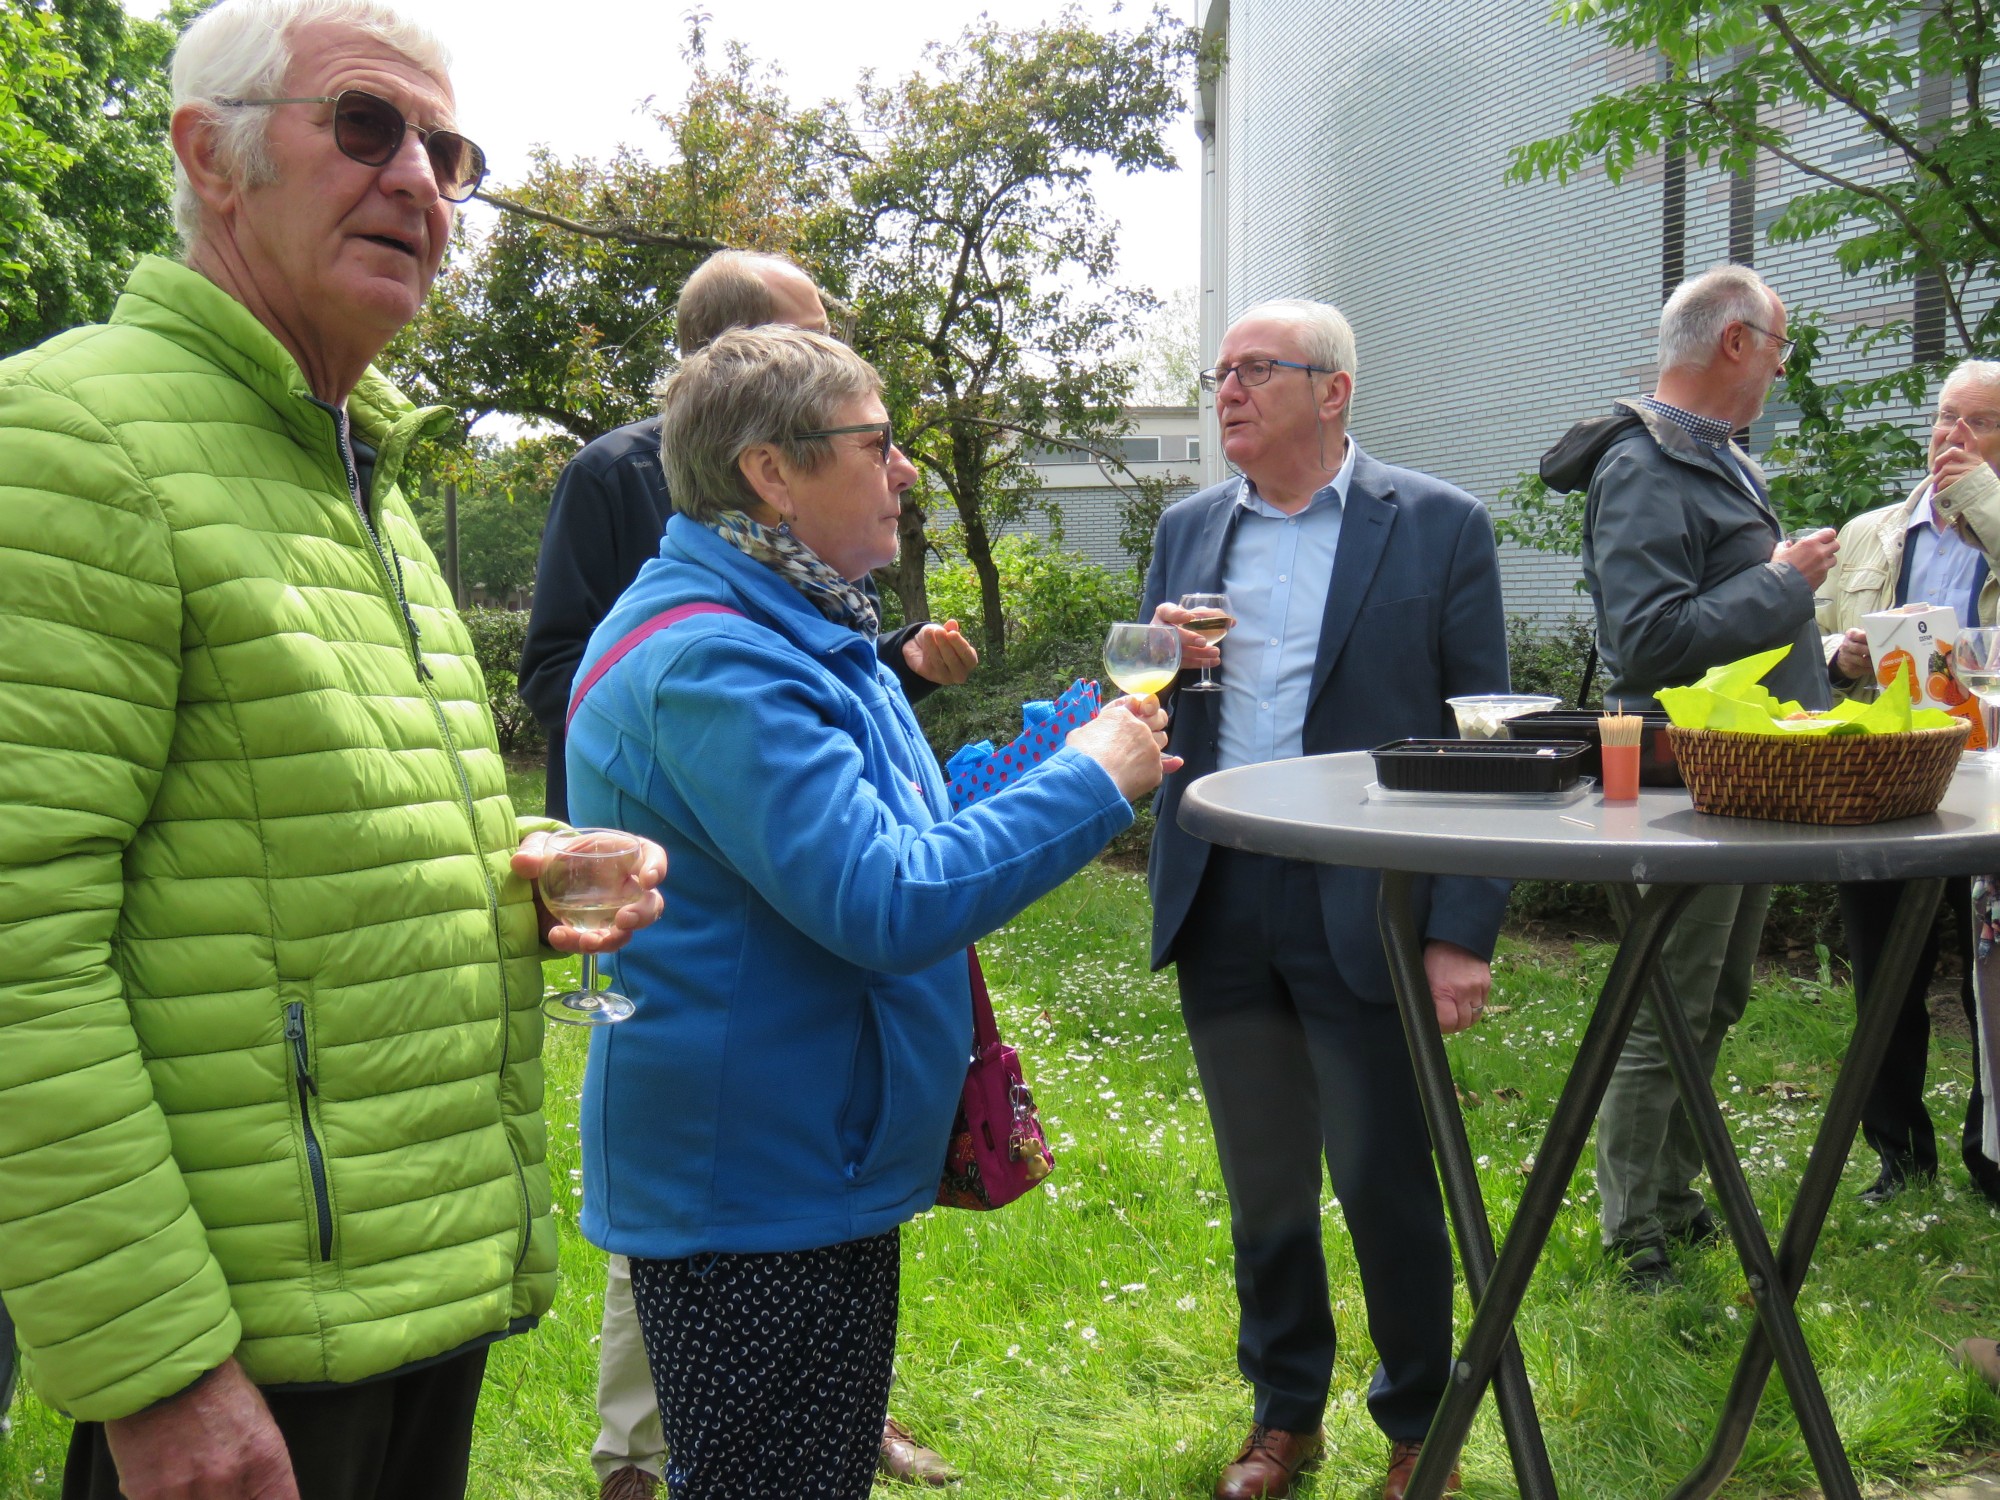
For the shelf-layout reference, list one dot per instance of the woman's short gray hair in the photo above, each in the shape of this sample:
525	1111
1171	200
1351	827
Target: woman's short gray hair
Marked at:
751	386
243	50
1692	322
1324	335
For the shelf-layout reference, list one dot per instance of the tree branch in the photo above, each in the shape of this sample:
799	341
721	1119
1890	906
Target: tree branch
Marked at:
1927	251
623	231
1881	124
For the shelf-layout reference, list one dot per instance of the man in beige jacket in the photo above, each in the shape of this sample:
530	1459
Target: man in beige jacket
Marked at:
1940	546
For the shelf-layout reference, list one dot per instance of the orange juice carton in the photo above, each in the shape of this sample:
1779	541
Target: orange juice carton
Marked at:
1915	642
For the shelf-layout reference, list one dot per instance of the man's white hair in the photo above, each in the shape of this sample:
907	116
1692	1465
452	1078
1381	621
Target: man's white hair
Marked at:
243	50
1324	335
1692	322
1984	371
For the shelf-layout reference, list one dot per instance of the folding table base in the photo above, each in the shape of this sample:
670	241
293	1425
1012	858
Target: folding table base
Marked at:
1490	1353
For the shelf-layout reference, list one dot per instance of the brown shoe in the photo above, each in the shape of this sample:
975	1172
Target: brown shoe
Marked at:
903	1457
1268	1463
629	1483
1984	1356
1402	1464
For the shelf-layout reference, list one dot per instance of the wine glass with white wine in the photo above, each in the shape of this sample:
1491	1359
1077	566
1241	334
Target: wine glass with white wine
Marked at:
1142	659
1975	662
590	874
1210	616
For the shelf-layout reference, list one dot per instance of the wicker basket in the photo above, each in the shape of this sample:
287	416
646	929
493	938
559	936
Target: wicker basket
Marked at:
1820	778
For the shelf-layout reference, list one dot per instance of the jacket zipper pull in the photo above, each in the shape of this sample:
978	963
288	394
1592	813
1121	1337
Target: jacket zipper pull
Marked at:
295	1033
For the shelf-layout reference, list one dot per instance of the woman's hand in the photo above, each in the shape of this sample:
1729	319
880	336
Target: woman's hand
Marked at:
533	855
1128	739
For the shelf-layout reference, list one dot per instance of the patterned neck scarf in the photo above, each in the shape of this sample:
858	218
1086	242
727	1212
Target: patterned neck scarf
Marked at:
833	596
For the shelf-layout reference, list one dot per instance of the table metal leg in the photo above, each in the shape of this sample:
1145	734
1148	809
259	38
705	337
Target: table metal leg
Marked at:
1506	1279
1775	1281
1513	1396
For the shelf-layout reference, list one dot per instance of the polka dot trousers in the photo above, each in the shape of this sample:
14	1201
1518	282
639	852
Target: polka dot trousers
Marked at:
772	1370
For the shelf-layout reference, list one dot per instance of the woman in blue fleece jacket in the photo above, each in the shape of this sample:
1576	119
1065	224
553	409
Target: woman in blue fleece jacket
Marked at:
778	1106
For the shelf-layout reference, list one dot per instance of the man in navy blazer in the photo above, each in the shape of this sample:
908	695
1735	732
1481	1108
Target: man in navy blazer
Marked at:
1365	595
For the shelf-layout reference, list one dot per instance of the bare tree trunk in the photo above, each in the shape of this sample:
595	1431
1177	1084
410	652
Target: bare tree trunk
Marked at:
905	576
979	550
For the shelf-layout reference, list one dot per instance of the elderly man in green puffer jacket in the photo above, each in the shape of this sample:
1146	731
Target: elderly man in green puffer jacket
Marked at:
271	1146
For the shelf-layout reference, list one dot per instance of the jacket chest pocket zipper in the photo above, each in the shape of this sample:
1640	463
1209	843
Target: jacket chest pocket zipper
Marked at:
295	1033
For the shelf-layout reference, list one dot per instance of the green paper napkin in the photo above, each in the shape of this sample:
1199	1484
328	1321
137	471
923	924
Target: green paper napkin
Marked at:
1730	698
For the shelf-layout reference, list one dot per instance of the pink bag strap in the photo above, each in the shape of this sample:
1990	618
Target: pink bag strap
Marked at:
630	641
985	1030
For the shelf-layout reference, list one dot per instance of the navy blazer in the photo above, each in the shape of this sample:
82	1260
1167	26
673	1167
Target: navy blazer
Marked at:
1413	617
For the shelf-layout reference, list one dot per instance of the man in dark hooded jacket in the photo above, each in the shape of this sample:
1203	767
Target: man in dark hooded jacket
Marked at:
1688	569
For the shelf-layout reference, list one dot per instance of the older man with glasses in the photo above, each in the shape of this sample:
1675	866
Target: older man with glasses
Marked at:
271	1147
1365	594
1937	547
1688	569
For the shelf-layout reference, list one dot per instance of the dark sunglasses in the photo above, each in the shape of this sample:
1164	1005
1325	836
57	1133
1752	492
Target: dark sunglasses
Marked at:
370	130
887	431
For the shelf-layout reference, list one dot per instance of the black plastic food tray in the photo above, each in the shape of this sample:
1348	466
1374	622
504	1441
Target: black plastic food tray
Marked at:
1657	766
1479	765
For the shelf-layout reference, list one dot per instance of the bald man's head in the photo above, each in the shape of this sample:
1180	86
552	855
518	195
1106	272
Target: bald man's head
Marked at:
745	289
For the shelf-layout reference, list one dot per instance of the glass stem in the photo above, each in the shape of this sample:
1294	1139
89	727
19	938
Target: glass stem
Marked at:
589	985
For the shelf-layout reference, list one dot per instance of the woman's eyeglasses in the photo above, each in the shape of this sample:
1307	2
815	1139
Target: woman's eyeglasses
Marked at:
887	430
371	130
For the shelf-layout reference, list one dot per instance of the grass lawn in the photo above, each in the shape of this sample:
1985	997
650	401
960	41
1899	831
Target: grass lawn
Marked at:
1081	1342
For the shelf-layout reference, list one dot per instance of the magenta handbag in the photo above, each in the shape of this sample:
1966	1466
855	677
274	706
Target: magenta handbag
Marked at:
997	1150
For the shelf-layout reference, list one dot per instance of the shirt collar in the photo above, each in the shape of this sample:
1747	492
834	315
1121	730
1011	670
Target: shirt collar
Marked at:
1712	431
1334	493
1921	513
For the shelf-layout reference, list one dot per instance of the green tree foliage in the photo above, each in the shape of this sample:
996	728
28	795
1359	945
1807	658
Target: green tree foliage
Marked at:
503	503
1741	78
88	173
949	214
31	59
497	638
564	311
1908	80
1166	359
982	282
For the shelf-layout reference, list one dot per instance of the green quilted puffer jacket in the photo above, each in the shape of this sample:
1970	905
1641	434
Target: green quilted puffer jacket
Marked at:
270	1078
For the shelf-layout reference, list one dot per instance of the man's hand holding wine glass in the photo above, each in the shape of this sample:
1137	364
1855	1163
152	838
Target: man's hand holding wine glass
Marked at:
1197	650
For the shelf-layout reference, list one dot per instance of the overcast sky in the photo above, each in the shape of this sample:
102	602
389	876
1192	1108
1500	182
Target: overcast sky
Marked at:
570	75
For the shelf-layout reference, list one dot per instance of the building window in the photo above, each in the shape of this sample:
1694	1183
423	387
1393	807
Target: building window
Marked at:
1045	456
1141	450
1194	450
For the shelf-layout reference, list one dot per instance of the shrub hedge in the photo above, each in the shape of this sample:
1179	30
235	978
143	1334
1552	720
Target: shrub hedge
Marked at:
497	638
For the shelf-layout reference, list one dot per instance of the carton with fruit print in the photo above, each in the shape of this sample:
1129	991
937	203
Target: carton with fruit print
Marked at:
1915	642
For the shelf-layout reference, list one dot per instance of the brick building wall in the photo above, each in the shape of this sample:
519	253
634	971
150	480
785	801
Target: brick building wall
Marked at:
1357	155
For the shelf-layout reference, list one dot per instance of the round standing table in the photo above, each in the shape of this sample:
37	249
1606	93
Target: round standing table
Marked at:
1319	809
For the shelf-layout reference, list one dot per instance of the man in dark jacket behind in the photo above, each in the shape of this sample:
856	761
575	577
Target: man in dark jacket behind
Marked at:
1688	569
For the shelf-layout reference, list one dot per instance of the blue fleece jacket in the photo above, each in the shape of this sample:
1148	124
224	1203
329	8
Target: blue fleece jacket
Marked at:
804	1011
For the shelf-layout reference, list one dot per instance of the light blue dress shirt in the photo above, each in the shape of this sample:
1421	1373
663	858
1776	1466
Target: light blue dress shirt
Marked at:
1277	573
1943	565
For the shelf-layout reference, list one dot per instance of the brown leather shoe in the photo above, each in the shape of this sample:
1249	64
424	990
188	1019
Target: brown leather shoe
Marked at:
904	1458
1402	1464
628	1483
1268	1463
